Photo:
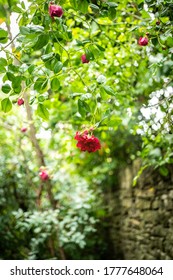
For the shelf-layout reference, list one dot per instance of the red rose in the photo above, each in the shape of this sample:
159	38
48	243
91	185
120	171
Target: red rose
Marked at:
20	101
55	11
87	142
84	59
44	176
143	41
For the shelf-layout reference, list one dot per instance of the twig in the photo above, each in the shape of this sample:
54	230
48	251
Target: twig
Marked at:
10	42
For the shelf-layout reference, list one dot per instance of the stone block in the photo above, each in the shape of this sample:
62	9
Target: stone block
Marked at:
170	194
156	204
168	204
146	193
149	216
142	204
127	203
164	197
159	231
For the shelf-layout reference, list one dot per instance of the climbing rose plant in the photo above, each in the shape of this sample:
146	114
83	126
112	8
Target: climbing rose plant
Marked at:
85	56
74	65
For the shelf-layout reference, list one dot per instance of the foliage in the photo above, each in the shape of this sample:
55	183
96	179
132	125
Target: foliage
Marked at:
124	94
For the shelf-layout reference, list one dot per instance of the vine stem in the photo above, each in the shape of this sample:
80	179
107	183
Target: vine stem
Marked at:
11	42
39	153
71	68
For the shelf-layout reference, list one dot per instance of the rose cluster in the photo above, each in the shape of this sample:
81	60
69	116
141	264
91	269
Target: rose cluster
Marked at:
87	142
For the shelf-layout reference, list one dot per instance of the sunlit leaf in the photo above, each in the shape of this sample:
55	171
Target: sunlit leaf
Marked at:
6	88
6	105
42	111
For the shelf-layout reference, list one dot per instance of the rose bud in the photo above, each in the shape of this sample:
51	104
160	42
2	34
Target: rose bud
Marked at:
55	11
84	59
143	41
23	129
20	101
44	176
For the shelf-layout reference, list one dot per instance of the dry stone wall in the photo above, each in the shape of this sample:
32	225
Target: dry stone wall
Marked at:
142	216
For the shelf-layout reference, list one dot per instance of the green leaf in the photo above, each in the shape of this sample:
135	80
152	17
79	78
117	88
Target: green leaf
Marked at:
2	69
36	29
42	40
74	4
135	179
17	89
65	64
58	66
48	56
169	41
10	76
6	88
31	68
24	30
42	111
163	171
83	6
100	48
16	9
154	41
16	84
94	8
48	48
3	12
109	90
89	54
155	153
6	105
3	62
55	84
112	4
145	14
83	107
69	35
95	52
23	5
3	36
140	1
112	13
86	41
40	84
41	98
79	43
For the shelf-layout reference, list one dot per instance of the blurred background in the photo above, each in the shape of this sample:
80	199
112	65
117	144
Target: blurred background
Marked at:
116	203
